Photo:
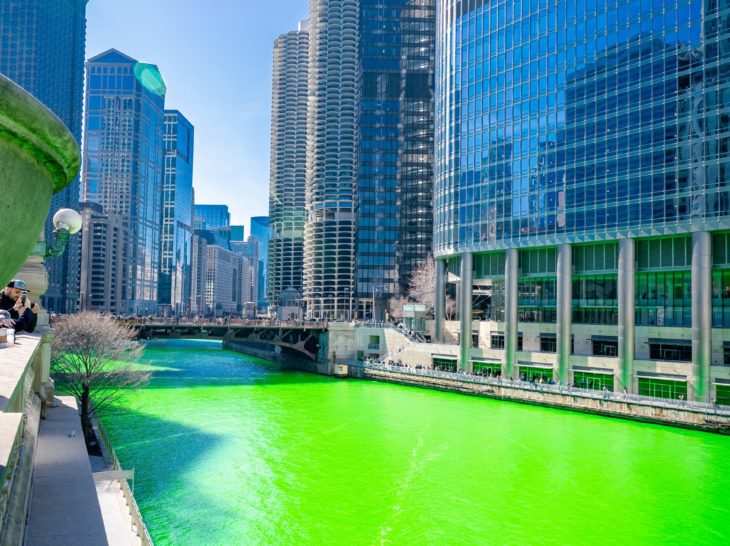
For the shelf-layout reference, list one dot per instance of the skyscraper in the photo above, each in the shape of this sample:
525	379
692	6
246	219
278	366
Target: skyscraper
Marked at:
581	175
212	217
288	161
329	231
395	148
260	232
42	45
369	152
173	293
123	160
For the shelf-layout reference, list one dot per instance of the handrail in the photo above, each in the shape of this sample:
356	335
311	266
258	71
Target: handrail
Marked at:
139	526
557	389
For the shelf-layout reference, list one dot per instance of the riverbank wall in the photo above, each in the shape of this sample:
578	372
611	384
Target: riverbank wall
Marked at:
644	411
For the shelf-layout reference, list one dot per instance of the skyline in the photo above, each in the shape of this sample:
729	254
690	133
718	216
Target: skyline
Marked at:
232	131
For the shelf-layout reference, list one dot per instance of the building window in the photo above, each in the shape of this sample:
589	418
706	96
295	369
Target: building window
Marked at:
722	395
662	388
593	381
670	350
532	374
487	369
604	347
444	364
548	343
726	355
374	342
497	341
664	299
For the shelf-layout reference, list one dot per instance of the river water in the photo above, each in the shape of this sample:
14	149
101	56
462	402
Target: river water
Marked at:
229	449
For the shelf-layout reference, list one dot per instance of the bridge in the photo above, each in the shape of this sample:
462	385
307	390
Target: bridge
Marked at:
299	338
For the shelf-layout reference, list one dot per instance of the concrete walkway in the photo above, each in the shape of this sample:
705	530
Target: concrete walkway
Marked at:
114	509
64	506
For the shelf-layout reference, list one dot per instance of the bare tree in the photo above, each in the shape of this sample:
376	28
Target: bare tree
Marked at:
395	307
423	283
90	361
423	288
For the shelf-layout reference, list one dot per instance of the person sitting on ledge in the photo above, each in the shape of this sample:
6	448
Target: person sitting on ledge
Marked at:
23	315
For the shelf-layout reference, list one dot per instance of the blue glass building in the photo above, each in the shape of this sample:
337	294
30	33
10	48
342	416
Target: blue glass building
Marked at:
216	219
582	156
173	293
395	176
260	232
123	161
42	49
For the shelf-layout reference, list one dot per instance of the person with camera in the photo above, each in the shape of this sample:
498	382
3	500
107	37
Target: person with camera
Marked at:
23	314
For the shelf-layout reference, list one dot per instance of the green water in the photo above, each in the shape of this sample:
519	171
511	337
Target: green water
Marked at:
230	450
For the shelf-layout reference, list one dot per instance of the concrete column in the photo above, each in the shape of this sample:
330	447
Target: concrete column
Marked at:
440	306
701	315
511	275
626	311
565	318
466	312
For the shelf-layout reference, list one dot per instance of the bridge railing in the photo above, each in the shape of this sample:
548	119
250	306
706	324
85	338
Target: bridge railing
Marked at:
230	322
556	389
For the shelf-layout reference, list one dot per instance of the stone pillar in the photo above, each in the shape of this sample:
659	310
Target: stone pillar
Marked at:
511	275
564	301
440	306
626	311
465	315
701	315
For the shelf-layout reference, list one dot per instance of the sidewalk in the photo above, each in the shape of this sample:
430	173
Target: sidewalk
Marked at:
64	506
114	509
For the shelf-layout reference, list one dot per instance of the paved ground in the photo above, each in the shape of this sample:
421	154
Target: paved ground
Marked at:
64	505
114	509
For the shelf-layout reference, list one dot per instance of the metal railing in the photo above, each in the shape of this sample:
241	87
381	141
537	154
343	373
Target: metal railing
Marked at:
555	389
139	527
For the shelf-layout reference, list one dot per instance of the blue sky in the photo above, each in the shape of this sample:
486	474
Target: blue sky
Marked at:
215	57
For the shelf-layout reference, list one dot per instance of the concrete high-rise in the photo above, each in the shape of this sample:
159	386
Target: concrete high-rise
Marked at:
42	49
123	161
332	133
288	161
173	292
581	181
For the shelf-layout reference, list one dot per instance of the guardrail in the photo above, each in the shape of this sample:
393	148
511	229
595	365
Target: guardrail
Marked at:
556	389
139	527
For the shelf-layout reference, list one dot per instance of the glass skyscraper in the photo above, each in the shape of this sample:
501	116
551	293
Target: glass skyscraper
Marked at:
260	232
287	178
123	161
42	47
173	293
582	159
395	167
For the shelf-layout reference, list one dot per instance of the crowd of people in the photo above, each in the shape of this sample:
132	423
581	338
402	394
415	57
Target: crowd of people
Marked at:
16	309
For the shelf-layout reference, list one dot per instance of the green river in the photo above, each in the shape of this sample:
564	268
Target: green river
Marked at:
229	449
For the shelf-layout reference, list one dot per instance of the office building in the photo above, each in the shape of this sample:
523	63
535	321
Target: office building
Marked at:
42	49
260	232
288	161
395	148
580	179
173	292
216	219
103	256
123	161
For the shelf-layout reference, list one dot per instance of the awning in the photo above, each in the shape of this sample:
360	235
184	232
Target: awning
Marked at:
605	338
548	336
671	376
721	381
481	359
684	342
588	369
544	365
453	357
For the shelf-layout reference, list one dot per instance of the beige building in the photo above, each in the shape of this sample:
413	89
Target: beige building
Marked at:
104	240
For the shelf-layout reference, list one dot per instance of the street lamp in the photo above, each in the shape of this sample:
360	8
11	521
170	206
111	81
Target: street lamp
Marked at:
67	222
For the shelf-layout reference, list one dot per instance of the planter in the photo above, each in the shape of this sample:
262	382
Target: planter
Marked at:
38	157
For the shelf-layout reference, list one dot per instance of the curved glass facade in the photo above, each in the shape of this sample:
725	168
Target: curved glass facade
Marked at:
570	121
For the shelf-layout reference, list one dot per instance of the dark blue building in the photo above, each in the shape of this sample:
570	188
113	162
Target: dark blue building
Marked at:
395	176
42	49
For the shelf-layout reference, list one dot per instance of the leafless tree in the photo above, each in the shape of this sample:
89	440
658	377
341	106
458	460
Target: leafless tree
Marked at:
423	288
395	307
91	353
